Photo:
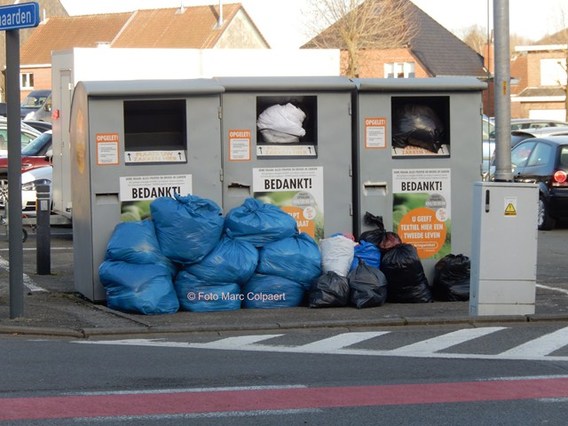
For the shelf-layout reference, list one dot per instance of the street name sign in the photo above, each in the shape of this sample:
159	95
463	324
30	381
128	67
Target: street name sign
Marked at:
16	16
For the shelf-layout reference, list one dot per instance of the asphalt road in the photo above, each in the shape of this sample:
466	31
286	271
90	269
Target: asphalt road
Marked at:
173	381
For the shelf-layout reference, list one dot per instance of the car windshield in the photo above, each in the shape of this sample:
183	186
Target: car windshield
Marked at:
36	146
33	101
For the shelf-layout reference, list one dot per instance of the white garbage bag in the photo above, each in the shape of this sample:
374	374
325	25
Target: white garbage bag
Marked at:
281	123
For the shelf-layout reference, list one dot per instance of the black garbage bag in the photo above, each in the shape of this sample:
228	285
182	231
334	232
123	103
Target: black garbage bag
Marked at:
406	281
383	239
374	236
417	125
329	290
452	278
390	240
367	286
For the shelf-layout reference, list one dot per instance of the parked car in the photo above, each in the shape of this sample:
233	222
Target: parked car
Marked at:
30	181
33	101
41	126
534	123
43	113
27	135
544	161
543	131
34	155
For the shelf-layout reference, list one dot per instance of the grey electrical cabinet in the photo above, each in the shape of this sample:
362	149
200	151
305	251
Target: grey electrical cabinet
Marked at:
504	249
419	151
288	141
132	142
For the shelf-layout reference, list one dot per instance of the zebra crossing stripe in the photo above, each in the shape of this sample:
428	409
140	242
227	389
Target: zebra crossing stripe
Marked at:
236	342
338	342
540	346
445	341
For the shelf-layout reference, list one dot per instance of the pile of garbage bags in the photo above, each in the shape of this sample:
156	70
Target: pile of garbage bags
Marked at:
190	257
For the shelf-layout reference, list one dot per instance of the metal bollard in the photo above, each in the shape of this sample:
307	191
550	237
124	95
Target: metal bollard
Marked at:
43	235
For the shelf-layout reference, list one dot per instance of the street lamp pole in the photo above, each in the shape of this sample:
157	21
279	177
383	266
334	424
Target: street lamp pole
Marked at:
502	92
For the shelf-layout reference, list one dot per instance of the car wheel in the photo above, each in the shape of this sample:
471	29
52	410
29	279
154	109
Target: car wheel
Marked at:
545	222
3	192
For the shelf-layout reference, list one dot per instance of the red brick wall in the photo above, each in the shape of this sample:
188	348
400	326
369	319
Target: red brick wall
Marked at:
42	79
519	72
371	62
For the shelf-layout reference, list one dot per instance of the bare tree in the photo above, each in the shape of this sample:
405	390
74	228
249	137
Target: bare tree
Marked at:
476	37
354	25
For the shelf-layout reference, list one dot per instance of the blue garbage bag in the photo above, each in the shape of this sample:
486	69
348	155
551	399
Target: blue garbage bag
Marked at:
366	252
196	295
297	258
259	223
187	227
136	242
269	292
231	261
138	288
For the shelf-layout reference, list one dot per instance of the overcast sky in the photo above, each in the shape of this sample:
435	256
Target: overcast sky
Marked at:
283	22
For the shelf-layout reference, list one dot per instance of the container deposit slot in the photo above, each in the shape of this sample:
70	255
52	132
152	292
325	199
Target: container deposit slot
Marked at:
155	131
421	126
287	126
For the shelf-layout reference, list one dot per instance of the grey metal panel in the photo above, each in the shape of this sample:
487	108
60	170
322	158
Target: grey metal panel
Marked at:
454	84
296	84
96	187
334	129
374	166
150	87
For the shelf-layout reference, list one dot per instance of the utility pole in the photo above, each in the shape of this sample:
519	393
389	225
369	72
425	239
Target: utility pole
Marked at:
502	92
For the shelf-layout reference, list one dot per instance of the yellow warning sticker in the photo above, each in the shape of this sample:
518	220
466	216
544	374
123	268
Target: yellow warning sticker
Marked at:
510	206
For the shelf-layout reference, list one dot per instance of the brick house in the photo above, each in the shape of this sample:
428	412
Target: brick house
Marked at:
540	77
47	9
199	27
431	51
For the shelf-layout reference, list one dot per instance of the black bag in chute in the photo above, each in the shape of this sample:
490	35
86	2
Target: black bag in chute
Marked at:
417	125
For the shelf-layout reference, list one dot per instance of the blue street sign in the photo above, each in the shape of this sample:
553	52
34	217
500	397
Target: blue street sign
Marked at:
16	16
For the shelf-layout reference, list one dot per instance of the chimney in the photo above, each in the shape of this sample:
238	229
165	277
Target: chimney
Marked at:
181	8
220	21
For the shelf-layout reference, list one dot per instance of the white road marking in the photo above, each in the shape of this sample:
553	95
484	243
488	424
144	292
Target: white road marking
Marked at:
28	282
339	341
559	290
543	345
430	348
239	341
445	341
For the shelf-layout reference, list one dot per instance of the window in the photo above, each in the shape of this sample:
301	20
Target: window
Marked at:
399	70
540	155
26	80
564	158
552	72
520	154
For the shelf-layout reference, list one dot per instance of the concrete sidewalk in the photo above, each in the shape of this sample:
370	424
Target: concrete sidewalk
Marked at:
68	314
54	308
